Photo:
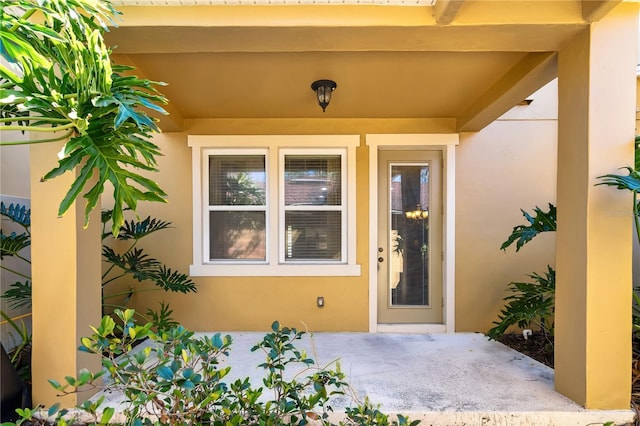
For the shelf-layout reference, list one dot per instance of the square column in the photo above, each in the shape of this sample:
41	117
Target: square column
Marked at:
596	89
66	272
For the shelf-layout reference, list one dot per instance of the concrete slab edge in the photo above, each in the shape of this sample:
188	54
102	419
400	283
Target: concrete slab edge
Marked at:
469	418
533	418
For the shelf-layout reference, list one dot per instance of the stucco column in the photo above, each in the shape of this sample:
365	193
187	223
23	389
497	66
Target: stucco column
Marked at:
595	136
66	269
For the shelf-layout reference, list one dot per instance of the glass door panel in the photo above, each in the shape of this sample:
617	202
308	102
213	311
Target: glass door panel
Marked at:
410	237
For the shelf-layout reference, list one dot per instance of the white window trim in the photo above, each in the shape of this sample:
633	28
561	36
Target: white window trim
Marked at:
273	144
445	142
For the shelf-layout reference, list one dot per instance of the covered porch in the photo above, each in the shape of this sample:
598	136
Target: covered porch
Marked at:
590	46
442	379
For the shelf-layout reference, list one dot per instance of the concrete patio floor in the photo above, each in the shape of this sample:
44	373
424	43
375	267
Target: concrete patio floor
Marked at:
442	379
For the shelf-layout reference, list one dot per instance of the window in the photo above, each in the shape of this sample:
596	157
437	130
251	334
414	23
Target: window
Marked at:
268	207
237	206
313	205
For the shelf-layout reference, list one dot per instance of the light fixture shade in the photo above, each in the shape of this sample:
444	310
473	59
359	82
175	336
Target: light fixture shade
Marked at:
323	89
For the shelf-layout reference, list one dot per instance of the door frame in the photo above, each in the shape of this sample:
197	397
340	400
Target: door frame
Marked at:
446	143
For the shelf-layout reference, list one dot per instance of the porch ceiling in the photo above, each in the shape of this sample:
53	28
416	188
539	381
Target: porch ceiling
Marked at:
468	60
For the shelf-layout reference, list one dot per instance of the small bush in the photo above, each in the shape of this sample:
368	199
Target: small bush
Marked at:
179	380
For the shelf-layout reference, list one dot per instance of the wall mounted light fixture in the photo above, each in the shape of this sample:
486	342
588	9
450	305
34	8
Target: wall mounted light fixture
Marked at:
323	89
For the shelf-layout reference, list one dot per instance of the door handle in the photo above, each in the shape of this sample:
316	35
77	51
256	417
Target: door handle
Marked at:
380	259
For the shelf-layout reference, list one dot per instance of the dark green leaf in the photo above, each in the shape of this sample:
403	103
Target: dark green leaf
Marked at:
11	245
139	229
630	182
170	280
542	222
18	295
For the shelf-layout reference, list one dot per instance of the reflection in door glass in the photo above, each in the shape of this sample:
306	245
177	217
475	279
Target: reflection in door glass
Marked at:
409	235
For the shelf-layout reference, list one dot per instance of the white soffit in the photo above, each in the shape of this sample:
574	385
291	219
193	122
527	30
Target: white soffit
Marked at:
271	2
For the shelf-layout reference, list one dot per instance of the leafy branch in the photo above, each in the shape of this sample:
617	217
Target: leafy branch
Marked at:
59	79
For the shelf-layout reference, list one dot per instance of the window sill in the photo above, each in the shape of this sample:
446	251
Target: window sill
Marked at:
326	270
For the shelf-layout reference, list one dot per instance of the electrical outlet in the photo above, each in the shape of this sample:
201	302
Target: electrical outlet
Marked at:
320	301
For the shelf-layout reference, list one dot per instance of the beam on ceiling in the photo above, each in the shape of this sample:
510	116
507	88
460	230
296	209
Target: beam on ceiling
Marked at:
445	11
528	75
509	26
497	12
450	38
594	10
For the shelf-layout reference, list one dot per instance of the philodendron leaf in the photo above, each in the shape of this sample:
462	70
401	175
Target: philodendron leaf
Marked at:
66	78
541	222
630	182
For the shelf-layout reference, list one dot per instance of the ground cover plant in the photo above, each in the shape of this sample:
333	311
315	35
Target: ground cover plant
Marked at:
180	380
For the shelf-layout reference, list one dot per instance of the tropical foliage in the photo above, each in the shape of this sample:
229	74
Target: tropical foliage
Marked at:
57	79
541	222
131	261
14	245
529	303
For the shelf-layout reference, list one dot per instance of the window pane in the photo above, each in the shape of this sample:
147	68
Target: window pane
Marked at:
237	180
313	235
237	235
312	180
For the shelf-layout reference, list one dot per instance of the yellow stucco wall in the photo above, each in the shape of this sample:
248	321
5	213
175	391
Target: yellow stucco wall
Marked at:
509	165
249	303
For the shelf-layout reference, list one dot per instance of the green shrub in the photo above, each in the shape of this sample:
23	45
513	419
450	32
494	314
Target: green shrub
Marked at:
179	380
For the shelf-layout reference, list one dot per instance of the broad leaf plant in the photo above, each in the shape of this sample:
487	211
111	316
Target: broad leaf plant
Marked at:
529	303
57	79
